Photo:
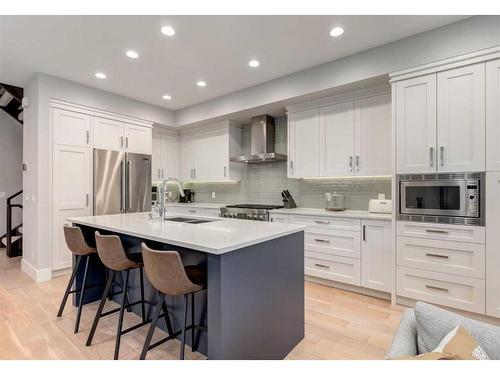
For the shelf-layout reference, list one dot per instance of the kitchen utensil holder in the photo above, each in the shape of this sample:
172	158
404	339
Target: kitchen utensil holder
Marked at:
290	203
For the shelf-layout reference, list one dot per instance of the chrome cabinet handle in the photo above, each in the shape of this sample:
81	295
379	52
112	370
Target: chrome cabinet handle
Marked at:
121	141
291	166
437	255
321	222
364	232
436	288
431	156
126	142
88	136
129	165
441	150
321	240
122	174
436	231
357	162
350	163
225	171
321	265
87	199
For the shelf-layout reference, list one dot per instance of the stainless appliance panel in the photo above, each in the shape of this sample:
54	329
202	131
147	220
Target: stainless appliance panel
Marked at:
138	182
109	173
429	196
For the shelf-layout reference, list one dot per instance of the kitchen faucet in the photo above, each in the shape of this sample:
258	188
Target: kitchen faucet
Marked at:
163	187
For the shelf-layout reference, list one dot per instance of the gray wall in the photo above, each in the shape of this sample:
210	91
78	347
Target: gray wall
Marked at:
11	154
263	183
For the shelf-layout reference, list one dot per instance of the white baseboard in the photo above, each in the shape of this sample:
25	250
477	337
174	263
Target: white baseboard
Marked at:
349	288
63	272
39	276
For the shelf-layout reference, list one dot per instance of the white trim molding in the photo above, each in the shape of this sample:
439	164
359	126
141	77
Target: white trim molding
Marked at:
39	276
453	62
55	103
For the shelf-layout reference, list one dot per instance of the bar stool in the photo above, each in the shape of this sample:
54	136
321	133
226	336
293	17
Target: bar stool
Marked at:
78	246
112	255
165	271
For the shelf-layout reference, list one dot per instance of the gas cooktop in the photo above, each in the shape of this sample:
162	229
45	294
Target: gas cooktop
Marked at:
248	211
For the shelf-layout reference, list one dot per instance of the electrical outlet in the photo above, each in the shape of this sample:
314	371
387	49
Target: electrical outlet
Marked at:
213	194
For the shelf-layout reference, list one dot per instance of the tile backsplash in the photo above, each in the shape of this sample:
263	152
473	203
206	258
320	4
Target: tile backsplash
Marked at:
263	183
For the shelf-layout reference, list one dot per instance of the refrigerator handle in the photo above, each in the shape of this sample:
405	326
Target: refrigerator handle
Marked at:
129	192
121	187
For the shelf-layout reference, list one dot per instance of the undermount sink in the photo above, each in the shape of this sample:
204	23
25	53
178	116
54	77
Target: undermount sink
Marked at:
188	220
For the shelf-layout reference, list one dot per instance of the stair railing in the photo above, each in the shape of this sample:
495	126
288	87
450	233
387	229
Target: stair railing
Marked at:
11	252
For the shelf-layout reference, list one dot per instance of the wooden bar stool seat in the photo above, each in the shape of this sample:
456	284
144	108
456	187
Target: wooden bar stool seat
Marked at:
165	271
113	256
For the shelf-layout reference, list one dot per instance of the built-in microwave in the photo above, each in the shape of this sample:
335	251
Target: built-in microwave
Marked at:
451	198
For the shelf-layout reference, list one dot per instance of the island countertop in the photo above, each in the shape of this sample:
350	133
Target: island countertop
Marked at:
218	236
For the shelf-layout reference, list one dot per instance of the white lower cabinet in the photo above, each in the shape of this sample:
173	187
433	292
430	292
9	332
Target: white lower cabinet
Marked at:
348	250
196	211
71	195
442	264
460	292
493	244
277	218
376	255
331	267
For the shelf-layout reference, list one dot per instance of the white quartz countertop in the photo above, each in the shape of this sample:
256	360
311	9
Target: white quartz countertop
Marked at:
322	212
218	236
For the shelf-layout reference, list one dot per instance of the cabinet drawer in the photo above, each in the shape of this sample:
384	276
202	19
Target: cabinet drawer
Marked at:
197	211
335	242
466	259
459	292
462	233
279	218
328	222
342	269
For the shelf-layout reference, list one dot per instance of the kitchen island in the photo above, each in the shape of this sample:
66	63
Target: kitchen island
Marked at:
254	303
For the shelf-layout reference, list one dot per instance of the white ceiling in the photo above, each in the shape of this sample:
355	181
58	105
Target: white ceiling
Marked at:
211	48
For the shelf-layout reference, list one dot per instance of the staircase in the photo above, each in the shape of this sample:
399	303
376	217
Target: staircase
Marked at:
13	237
11	101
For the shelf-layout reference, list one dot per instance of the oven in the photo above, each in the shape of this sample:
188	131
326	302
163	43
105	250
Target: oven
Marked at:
456	198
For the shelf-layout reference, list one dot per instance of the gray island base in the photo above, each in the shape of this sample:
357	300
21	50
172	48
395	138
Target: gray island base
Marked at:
253	307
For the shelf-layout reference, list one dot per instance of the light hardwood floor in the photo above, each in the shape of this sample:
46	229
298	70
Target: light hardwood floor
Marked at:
339	324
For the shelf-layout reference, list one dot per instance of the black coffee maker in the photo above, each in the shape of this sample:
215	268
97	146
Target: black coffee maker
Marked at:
188	196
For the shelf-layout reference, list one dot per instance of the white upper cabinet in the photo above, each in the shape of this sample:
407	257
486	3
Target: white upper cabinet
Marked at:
70	128
303	144
108	134
493	115
205	154
343	139
373	136
416	124
115	135
461	119
165	156
376	255
337	140
137	139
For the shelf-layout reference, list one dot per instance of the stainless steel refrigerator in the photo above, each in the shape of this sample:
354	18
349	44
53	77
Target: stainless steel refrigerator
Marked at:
122	182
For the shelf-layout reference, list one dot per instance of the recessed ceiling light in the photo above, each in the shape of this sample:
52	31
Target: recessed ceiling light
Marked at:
168	30
336	31
132	54
253	63
201	83
167	97
100	75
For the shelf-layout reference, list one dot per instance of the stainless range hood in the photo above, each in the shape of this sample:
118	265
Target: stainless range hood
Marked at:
262	142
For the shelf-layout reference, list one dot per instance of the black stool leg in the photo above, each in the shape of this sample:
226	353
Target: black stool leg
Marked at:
120	319
154	322
82	294
100	308
70	284
184	321
129	309
192	323
143	309
167	319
